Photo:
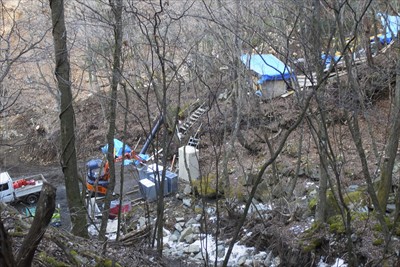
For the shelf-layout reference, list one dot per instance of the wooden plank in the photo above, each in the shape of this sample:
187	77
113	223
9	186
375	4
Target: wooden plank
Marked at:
287	94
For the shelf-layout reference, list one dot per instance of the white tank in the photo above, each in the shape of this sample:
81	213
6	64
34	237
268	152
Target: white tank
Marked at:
190	168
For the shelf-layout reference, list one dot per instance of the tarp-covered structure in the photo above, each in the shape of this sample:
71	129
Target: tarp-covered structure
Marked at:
328	59
270	75
391	27
267	67
118	148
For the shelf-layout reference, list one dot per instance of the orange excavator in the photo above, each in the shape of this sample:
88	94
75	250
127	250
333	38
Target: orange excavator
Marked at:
97	176
98	172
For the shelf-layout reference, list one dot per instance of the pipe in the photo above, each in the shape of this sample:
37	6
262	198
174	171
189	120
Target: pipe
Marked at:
153	133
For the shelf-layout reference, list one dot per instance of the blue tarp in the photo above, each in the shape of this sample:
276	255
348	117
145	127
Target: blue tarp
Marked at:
267	66
391	24
384	39
329	59
144	157
117	148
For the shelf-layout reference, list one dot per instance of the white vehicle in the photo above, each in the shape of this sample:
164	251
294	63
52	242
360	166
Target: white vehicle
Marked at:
26	189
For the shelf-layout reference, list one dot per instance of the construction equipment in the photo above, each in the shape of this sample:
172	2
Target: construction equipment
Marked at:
97	170
152	134
26	189
97	176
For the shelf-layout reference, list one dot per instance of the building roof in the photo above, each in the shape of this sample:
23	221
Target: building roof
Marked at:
267	66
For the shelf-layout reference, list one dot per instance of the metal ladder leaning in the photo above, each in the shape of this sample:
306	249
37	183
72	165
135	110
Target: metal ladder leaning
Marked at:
182	130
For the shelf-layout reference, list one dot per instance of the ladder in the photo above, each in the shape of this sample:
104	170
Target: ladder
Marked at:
192	120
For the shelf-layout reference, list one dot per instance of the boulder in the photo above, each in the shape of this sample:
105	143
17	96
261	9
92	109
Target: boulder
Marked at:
193	248
185	233
190	222
187	202
178	227
189	239
242	260
221	251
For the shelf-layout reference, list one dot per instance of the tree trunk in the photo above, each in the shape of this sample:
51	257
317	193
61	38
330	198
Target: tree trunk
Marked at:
320	213
159	48
116	7
367	42
67	120
387	165
44	212
6	253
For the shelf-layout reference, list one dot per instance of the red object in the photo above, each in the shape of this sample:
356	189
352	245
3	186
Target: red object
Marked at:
114	211
23	182
131	155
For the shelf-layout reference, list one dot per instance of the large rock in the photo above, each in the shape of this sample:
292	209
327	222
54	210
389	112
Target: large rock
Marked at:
178	227
189	239
198	217
193	248
249	263
179	219
242	260
221	251
190	222
185	233
187	202
174	237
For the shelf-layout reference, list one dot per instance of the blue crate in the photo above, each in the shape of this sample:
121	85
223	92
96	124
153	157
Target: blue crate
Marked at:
157	180
172	181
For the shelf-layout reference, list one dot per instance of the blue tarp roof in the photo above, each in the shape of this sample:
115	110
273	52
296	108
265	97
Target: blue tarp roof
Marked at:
267	66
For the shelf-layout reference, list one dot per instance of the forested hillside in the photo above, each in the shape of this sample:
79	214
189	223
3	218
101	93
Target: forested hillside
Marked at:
292	109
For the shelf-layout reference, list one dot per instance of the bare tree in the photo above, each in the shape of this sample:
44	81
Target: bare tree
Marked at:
385	185
67	121
14	47
116	7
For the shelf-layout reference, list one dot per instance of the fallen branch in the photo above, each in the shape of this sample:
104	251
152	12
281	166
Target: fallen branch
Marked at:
133	237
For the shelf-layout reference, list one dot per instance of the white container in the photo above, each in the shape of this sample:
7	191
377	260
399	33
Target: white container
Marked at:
148	189
188	163
146	171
